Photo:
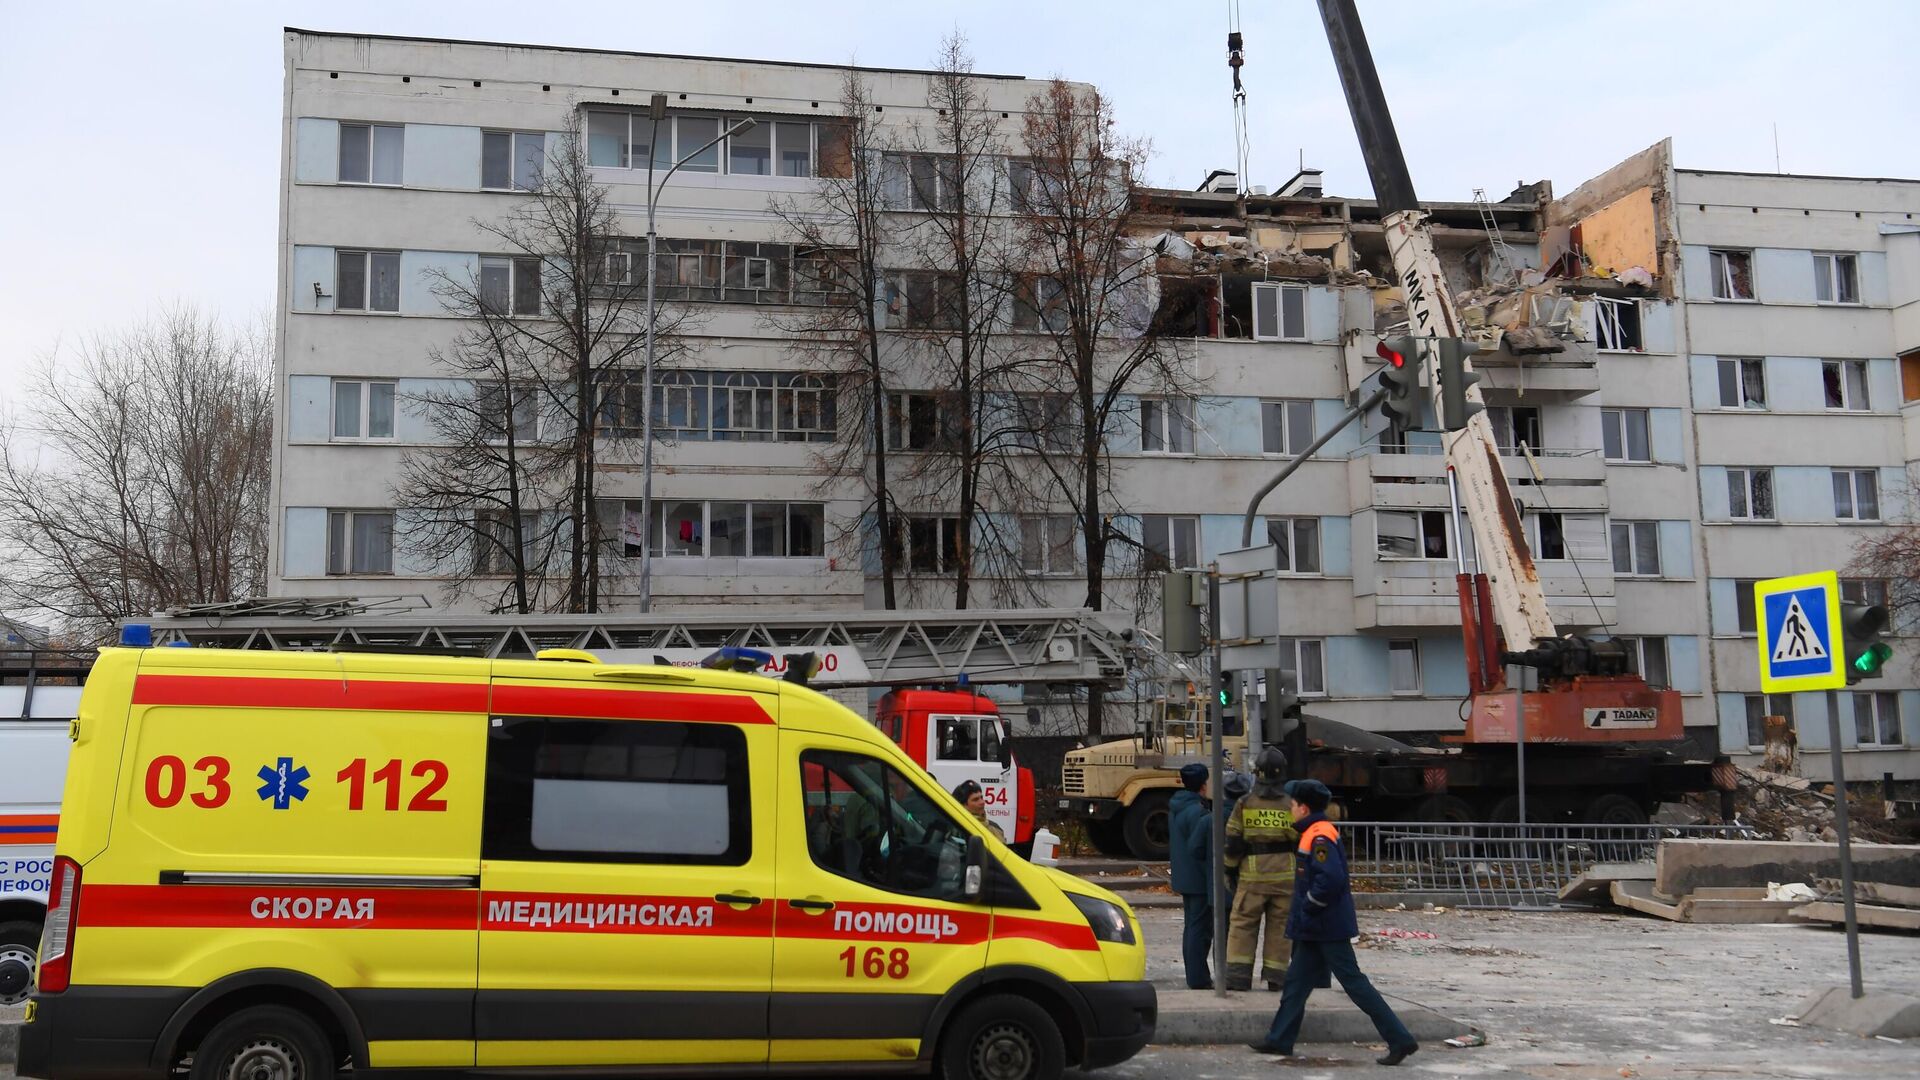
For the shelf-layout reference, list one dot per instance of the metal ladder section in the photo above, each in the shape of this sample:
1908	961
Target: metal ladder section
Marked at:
1502	254
1040	645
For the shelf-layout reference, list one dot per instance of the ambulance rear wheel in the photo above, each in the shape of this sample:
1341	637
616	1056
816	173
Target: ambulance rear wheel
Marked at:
1002	1037
19	942
266	1042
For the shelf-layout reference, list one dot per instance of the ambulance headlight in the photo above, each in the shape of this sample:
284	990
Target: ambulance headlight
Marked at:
1109	920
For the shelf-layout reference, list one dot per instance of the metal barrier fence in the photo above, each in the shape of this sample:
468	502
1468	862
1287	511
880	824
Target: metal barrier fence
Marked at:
1500	865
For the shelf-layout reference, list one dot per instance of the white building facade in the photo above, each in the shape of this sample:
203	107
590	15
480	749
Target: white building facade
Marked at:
1624	451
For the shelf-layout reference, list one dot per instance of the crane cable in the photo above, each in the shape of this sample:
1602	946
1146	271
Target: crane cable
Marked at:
1236	59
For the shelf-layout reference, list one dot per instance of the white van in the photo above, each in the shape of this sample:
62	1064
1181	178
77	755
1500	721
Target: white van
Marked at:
33	770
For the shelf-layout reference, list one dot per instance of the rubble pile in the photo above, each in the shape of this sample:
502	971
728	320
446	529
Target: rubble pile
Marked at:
1783	807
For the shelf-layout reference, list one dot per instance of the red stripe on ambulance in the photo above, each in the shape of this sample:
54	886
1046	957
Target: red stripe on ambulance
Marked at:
278	906
268	693
513	699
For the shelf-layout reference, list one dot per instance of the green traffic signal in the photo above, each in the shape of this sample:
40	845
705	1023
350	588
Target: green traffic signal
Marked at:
1226	698
1861	626
1870	661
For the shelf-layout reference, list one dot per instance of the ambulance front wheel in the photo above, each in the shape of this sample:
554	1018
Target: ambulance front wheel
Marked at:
267	1042
1002	1037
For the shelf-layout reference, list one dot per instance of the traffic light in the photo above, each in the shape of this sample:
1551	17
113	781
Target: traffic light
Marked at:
1400	379
1860	628
1455	409
1226	697
1182	594
1282	712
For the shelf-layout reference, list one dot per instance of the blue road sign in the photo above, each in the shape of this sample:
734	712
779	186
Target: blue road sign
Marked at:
1800	647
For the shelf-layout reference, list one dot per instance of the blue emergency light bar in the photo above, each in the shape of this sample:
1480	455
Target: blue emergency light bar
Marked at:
738	658
136	635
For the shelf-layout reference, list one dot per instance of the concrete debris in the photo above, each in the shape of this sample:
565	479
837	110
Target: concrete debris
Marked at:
1705	906
1796	890
1869	916
1597	883
1395	933
1782	807
1460	1042
1532	341
1878	1014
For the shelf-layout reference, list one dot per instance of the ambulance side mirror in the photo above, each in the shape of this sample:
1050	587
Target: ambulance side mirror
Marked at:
976	867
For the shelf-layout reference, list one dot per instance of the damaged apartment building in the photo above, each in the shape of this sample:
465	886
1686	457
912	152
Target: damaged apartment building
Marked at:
1695	378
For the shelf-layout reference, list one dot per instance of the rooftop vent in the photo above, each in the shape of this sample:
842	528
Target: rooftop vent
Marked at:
1305	184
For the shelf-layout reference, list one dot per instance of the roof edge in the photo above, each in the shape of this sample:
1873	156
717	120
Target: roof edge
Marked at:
629	52
1797	176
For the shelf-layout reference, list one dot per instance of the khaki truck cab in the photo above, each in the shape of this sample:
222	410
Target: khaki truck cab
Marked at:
278	865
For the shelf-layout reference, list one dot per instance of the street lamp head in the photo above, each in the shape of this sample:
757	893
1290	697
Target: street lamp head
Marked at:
657	108
744	124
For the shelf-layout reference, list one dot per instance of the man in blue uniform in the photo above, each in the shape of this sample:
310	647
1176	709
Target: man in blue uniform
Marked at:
1190	851
1322	925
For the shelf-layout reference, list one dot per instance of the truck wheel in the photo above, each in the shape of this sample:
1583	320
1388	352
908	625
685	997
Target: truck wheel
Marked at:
1446	809
19	944
1614	808
1108	838
1002	1037
266	1042
1147	824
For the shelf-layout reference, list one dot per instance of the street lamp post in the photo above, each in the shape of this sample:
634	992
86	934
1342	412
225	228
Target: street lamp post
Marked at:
658	110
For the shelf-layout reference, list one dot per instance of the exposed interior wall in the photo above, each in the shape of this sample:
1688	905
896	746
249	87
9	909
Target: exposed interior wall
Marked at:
1620	236
1616	210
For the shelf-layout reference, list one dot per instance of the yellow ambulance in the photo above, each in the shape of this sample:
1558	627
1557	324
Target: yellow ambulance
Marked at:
273	866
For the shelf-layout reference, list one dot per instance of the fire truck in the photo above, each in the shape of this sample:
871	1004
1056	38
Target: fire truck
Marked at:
958	735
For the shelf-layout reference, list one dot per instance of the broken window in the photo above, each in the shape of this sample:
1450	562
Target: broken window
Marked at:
1279	312
1750	494
1836	278
1846	384
1732	274
1515	426
1550	536
1743	383
1618	323
1411	534
1189	307
1761	706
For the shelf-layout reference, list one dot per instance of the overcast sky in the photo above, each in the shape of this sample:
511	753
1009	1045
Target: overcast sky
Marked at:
141	146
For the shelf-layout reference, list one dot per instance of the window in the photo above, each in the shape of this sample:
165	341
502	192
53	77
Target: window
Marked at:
1876	719
366	280
1047	544
1170	541
920	182
607	143
1743	383
1039	303
750	152
1761	706
359	542
1647	658
1279	312
512	160
617	791
1298	541
1166	425
922	300
913	421
957	738
1286	427
1515	426
1618	323
622	139
1856	495
1745	618
1411	534
1846	384
1750	494
1863	591
1732	274
743	406
1623	435
721	406
758	530
508	407
1043	421
1403	665
694	145
362	409
510	286
616	268
868	823
1305	660
793	148
1550	536
1636	548
1836	278
370	153
933	545
493	541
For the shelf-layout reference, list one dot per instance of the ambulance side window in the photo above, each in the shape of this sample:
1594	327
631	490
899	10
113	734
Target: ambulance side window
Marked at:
868	823
621	791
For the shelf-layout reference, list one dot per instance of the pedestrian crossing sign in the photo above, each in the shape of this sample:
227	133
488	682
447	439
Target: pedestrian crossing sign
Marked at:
1799	624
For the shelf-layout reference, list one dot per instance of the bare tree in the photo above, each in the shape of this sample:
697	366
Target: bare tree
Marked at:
136	478
558	320
842	235
1891	554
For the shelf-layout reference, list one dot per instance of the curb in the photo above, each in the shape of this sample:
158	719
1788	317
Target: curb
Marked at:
1198	1018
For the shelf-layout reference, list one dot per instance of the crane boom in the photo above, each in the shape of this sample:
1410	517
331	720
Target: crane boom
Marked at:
1499	540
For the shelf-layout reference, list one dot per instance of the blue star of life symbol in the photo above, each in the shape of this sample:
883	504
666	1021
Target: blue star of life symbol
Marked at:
283	783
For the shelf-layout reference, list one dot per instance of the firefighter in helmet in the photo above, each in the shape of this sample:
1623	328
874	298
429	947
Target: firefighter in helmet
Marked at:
1260	843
